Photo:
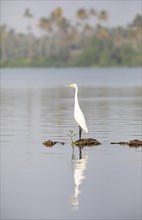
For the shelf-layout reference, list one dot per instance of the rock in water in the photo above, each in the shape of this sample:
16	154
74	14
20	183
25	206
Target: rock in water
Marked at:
49	143
87	142
133	143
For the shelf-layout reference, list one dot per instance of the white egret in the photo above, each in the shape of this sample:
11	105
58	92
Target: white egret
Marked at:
78	114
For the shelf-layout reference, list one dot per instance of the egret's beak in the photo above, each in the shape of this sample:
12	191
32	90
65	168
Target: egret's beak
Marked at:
69	85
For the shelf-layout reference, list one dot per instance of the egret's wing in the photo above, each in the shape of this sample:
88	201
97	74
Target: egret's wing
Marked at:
80	119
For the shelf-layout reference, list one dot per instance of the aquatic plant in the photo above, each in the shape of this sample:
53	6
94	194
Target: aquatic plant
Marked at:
71	135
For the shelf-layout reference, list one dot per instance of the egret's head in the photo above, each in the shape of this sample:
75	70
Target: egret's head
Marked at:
72	85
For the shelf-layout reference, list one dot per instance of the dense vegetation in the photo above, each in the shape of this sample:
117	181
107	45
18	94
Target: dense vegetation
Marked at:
84	42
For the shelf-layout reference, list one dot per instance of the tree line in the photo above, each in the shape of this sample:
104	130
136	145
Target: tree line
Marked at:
63	42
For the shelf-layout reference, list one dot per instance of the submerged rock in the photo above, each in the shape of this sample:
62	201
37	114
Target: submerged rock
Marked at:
50	143
87	142
133	143
120	142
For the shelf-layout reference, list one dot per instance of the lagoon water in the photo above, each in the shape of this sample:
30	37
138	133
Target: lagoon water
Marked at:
38	182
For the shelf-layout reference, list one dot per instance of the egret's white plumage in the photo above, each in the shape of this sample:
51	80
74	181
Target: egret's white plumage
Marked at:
78	114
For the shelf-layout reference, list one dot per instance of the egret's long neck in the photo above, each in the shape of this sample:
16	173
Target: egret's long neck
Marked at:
76	96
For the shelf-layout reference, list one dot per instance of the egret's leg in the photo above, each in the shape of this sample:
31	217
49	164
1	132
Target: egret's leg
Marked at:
80	153
80	130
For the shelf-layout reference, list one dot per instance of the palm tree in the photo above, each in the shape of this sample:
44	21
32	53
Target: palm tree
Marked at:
82	15
88	30
45	24
135	31
137	22
102	32
27	13
93	12
4	38
103	16
12	49
56	16
29	16
64	25
60	27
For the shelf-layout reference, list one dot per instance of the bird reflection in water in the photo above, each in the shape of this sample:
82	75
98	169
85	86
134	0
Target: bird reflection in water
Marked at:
78	167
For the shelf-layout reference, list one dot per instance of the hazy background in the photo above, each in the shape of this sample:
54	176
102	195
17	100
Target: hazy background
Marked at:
70	33
120	12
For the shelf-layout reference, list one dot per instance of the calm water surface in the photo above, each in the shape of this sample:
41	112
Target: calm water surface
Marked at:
53	183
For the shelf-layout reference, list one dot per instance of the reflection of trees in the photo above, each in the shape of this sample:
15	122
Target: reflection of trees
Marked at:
78	167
